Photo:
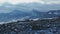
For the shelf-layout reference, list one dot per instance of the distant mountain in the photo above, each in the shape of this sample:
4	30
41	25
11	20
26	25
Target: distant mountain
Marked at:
17	14
57	12
53	13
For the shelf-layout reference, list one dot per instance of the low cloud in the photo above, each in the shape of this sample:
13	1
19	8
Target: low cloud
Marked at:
29	1
51	1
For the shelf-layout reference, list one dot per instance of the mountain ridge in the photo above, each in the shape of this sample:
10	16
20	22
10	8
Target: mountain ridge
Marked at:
17	14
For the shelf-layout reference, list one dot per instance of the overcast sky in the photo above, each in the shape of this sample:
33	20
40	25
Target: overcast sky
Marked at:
29	1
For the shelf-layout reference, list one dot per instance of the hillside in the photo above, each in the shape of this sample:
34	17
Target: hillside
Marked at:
51	26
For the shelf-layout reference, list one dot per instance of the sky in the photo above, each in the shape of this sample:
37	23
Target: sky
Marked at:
29	1
26	1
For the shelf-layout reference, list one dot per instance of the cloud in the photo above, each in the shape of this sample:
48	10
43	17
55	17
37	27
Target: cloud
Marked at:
29	1
2	1
25	1
51	1
22	1
19	1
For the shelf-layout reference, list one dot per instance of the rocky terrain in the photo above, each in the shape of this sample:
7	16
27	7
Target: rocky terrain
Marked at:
43	26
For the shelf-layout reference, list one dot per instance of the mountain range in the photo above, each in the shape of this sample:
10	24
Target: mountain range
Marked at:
28	11
17	14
